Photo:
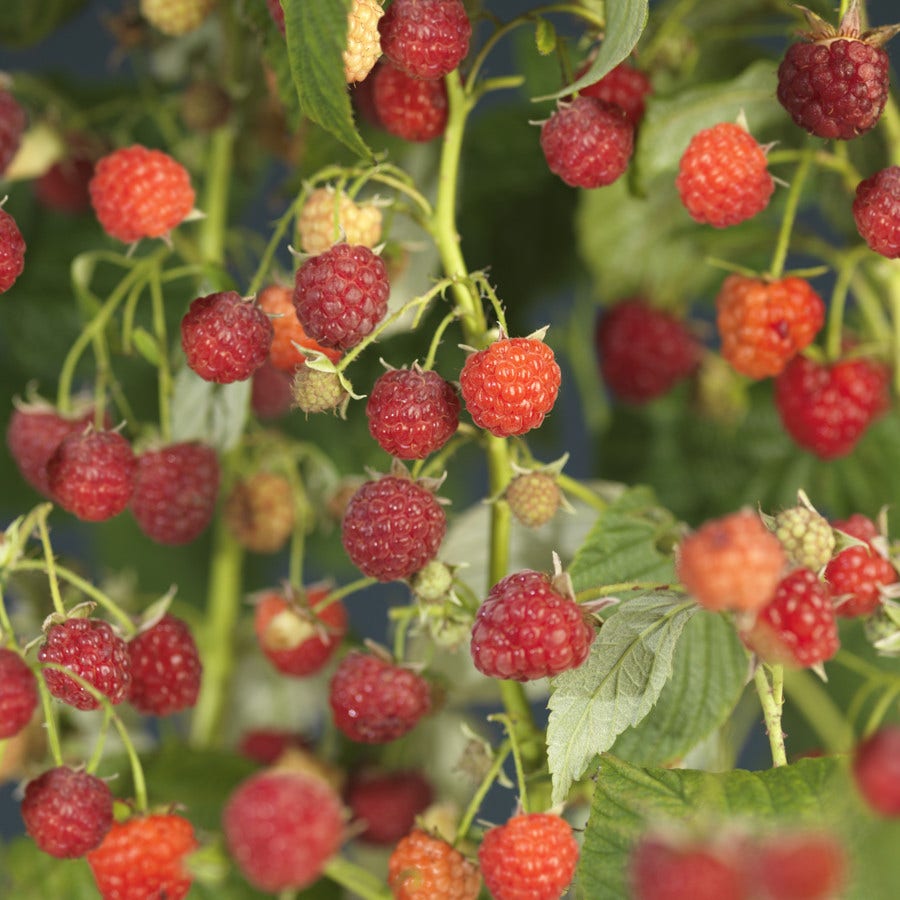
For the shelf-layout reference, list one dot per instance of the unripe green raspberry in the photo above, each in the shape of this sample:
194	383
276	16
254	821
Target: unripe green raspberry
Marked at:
432	582
316	391
533	498
806	536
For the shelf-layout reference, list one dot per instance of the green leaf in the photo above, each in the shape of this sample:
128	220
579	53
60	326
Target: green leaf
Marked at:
147	345
23	24
545	37
630	663
213	413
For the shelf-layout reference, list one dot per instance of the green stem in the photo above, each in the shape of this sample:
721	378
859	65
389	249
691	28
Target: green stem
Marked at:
356	879
345	591
576	489
890	122
164	373
517	760
478	797
215	198
888	699
770	698
50	563
789	215
835	332
50	721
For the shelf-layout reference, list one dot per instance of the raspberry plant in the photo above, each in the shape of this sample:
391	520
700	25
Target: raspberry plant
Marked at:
451	450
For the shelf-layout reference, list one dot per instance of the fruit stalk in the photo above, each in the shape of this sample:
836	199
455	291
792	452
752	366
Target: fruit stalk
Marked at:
771	699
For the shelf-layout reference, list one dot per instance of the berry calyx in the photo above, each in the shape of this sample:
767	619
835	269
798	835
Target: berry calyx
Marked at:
363	43
18	693
413	109
425	38
387	803
876	211
876	770
329	216
12	251
424	867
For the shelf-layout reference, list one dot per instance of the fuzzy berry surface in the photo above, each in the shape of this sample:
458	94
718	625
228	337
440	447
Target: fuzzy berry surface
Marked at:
67	812
532	856
764	324
533	498
876	211
140	193
412	413
94	652
176	17
723	177
12	125
329	216
511	385
643	351
409	108
802	866
876	770
587	142
826	408
374	701
144	857
623	86
526	629
425	38
18	693
314	391
225	338
281	828
259	511
424	867
12	251
807	537
363	46
386	804
270	392
392	527
91	474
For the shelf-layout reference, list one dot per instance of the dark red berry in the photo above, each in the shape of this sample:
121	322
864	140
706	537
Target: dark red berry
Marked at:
12	251
12	125
623	86
18	693
387	803
801	866
856	575
876	211
409	108
425	38
270	395
876	769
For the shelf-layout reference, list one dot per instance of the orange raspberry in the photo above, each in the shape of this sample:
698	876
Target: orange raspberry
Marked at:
427	868
277	302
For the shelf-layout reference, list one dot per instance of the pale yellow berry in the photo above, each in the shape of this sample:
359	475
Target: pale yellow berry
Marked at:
176	17
327	218
363	40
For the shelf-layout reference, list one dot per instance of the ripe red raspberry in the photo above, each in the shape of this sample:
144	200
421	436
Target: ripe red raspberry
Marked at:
64	186
409	108
723	177
341	295
533	855
176	17
91	474
763	324
12	125
67	812
733	562
425	38
175	490
412	412
510	386
297	640
165	668
798	626
260	512
270	393
138	193
423	867
144	857
826	408
387	803
18	693
876	211
91	650
265	745
281	828
225	338
329	216
374	701
876	770
527	628
12	251
533	498
587	142
643	351
801	866
623	86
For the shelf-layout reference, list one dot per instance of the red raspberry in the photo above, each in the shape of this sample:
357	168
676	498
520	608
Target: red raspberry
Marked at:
387	803
723	177
533	855
281	828
876	770
764	324
12	125
624	86
297	640
265	745
260	512
138	193
270	394
587	142
12	251
412	412
827	408
800	867
407	107
643	351
423	867
67	812
18	693
225	338
527	629
733	562
374	701
165	668
876	211
533	498
509	387
64	186
798	626
425	38
91	474
91	650
175	490
144	857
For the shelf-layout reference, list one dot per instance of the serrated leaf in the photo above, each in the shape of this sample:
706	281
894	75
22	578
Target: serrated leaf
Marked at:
203	411
629	664
147	345
544	37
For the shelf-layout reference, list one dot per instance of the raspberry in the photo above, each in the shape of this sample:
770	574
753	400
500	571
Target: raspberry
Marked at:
67	812
624	86
363	43
12	125
800	867
392	527
12	251
425	38
387	803
144	857
341	295
138	193
176	17
587	142
165	668
409	108
733	562
374	701
265	745
225	338
806	536
876	770
643	351
764	324
64	186
876	211
423	867
91	474
533	498
91	650
798	626
270	393
314	391
412	412
723	177
281	828
18	693
259	512
533	855
826	408
297	640
509	387
175	490
329	216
